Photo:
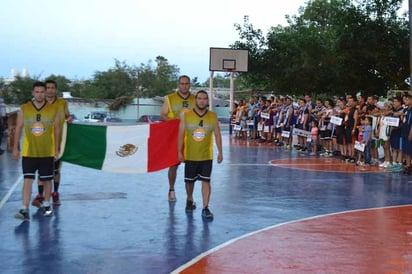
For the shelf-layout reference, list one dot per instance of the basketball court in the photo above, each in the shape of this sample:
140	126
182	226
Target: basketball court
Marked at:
276	211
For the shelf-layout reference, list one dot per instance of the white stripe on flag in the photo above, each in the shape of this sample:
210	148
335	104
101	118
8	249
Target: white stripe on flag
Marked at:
134	158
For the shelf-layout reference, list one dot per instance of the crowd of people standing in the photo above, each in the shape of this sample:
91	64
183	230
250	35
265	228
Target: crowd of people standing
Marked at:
359	128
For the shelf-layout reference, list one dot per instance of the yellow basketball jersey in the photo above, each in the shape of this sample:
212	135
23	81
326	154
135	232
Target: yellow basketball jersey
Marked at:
198	138
38	130
61	106
178	104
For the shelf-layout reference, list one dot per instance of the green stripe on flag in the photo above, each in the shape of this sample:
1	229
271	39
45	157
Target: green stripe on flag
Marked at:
85	145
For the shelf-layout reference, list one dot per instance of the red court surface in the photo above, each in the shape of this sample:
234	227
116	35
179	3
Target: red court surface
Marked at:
363	241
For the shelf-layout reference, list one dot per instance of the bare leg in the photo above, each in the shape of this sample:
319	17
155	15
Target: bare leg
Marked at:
189	191
47	190
27	192
172	180
206	190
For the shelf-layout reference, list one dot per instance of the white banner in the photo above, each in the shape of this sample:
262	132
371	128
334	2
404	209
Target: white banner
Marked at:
301	132
285	133
336	120
264	115
237	127
359	146
390	121
250	123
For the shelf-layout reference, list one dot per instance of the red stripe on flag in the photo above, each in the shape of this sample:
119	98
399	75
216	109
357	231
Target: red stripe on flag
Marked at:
162	145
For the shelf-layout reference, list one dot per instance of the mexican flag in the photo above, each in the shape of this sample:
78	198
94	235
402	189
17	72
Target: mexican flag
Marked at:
121	148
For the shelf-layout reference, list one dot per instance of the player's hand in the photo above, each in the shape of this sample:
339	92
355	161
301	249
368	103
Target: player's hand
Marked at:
180	157
219	158
16	154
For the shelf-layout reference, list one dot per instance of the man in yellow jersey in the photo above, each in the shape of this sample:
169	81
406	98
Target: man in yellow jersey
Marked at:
41	124
174	104
63	109
195	148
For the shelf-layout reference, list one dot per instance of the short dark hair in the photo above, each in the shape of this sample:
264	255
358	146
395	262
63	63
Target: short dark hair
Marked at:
38	84
183	76
202	91
50	81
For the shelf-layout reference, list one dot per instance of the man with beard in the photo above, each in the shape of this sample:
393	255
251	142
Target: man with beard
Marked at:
195	148
174	104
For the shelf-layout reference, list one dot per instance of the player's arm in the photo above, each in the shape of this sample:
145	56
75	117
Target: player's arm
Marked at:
180	138
165	110
57	135
67	115
218	140
17	134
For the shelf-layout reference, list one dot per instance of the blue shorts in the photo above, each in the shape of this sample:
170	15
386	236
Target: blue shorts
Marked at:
406	146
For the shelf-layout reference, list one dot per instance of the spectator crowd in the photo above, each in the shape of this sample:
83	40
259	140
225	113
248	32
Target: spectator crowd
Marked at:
359	129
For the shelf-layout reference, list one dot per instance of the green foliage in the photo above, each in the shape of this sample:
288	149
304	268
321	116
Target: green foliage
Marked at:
20	90
113	83
120	102
332	47
157	80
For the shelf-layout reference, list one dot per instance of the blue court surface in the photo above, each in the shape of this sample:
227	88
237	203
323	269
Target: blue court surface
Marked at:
116	223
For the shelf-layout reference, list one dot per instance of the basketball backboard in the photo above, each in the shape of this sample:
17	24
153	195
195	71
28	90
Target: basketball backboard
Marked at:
224	59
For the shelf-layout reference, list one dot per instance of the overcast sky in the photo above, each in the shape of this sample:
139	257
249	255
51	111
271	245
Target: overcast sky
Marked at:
79	37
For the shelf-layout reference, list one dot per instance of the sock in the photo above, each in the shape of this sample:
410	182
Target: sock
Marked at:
24	208
46	203
56	186
40	188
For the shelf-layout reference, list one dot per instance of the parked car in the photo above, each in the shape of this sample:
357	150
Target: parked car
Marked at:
74	118
224	119
95	116
112	120
146	118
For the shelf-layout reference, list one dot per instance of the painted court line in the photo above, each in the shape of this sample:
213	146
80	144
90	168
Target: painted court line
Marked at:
217	248
11	190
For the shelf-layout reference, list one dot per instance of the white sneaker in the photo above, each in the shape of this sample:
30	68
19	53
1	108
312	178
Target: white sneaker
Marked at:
384	164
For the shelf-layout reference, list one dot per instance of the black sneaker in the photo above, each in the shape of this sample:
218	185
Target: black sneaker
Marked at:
190	206
23	214
47	211
206	213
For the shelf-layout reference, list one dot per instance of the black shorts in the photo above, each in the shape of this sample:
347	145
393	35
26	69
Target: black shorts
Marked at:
325	134
340	135
198	170
348	135
44	166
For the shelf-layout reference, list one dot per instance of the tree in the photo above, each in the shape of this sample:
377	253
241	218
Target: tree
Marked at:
20	90
113	83
331	46
157	80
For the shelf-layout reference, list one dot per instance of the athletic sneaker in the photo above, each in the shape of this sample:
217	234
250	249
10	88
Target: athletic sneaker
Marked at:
384	164
23	214
56	200
172	196
206	213
190	206
38	201
397	168
329	154
47	211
